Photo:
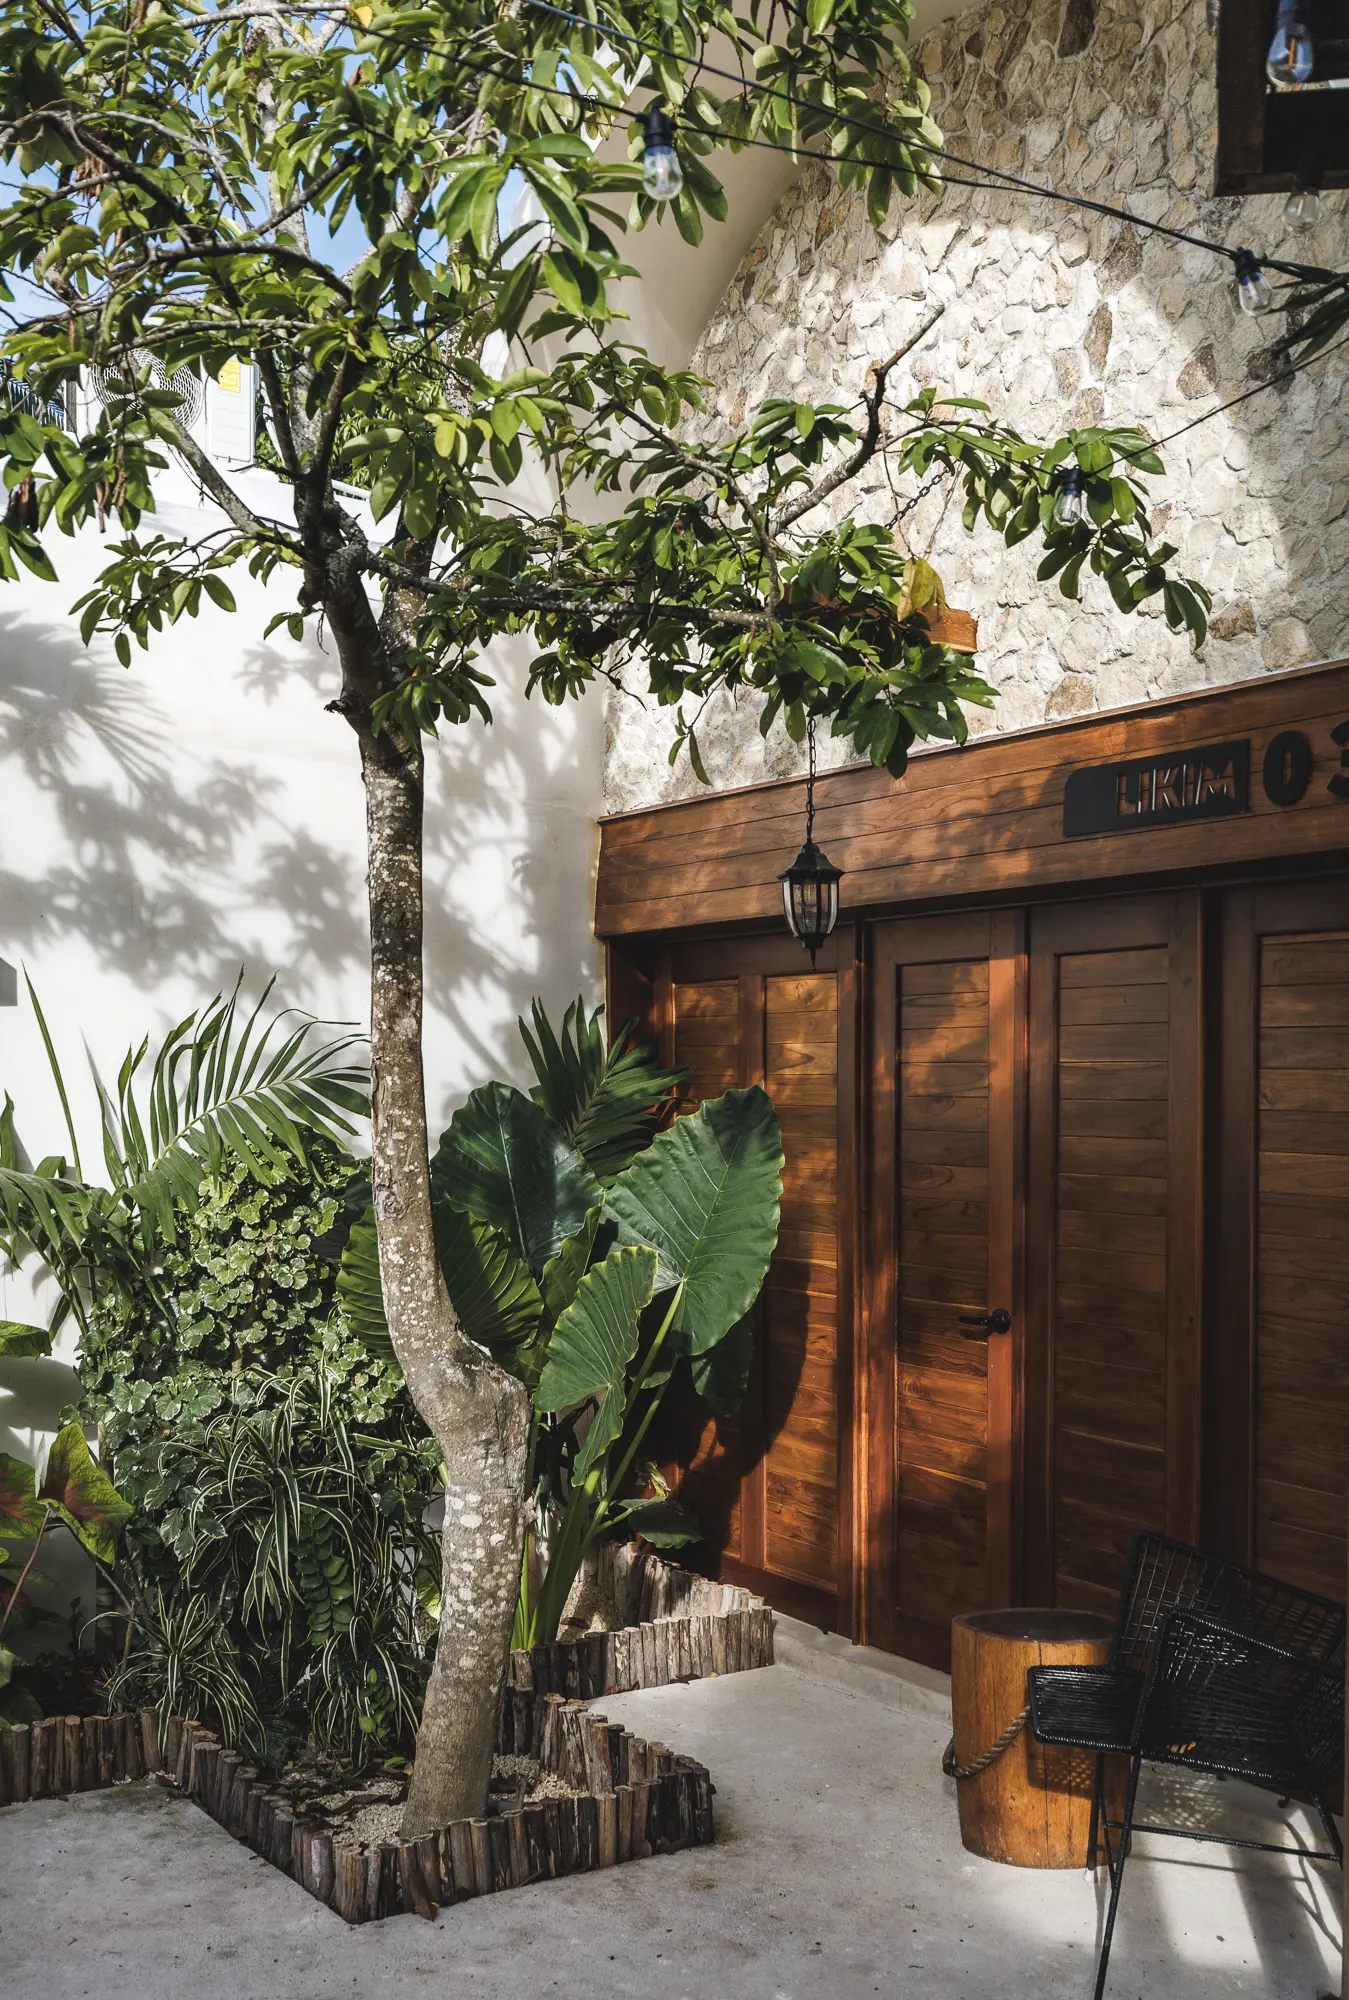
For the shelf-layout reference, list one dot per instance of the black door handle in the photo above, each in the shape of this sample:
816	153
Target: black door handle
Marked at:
998	1321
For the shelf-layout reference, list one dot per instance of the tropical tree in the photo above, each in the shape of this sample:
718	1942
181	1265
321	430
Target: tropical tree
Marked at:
185	168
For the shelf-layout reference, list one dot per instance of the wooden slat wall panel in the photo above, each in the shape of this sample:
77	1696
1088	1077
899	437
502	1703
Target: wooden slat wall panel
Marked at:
1302	1225
941	1391
1110	1293
800	1310
707	1042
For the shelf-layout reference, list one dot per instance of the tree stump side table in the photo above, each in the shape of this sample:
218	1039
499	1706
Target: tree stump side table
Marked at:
1031	1807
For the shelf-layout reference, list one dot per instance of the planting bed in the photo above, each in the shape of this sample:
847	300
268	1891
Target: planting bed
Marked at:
675	1626
631	1799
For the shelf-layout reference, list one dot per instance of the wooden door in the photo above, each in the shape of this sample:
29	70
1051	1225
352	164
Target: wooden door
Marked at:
767	1485
1276	1494
939	1395
1113	1247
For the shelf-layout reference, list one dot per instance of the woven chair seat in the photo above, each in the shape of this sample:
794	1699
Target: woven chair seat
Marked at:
1089	1708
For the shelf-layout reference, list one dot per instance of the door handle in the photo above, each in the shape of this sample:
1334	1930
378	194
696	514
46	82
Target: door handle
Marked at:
997	1321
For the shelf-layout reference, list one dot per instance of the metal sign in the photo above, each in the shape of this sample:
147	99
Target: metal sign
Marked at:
1208	782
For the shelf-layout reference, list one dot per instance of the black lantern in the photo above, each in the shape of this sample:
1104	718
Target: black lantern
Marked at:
810	885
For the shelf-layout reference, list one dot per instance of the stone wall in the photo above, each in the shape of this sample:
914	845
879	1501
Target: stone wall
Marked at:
1056	318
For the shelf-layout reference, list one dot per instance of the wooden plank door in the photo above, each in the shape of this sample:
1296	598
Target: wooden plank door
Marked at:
939	1395
771	1484
1276	1495
1113	1248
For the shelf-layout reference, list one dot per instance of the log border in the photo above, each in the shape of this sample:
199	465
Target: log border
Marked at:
680	1627
636	1799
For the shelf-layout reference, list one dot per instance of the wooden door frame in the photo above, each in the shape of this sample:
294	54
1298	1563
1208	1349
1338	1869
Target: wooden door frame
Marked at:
1057	930
998	936
1245	916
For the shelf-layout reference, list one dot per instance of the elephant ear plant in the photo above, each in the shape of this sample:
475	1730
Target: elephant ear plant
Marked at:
74	1495
593	1257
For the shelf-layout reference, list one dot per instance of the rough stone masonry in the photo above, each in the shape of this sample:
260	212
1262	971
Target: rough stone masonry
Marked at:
1055	318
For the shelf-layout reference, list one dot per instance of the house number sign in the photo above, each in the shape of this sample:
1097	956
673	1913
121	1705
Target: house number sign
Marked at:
1209	781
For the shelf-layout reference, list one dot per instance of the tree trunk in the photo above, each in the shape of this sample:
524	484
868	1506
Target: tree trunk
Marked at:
478	1415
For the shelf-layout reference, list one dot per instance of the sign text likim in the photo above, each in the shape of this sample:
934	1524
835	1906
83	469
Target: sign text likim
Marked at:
1207	782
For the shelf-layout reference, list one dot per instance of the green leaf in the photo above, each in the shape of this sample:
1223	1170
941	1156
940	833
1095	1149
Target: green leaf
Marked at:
564	1273
17	1340
360	1291
490	1287
596	1337
607	1101
663	1523
504	1161
21	1513
721	1374
81	1492
705	1196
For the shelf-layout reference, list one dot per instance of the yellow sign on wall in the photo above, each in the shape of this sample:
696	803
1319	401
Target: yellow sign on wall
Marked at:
230	377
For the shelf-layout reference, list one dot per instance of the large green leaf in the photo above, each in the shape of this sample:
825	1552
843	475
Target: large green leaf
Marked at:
491	1289
608	1101
663	1523
18	1340
504	1161
705	1196
597	1335
359	1289
21	1513
78	1489
563	1273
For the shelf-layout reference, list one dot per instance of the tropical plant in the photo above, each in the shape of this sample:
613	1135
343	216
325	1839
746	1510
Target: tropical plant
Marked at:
178	175
74	1494
223	1086
592	1291
303	1571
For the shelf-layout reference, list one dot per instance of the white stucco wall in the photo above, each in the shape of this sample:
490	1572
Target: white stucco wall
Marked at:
162	826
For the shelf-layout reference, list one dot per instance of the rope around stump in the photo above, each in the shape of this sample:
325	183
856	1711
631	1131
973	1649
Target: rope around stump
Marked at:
990	1756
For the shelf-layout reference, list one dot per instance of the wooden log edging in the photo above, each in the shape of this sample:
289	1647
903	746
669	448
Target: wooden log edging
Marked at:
635	1799
679	1627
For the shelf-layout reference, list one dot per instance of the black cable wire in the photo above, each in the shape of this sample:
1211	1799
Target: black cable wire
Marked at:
894	138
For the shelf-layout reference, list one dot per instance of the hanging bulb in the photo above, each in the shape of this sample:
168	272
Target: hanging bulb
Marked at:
1070	509
1211	12
1253	288
661	174
1290	52
1302	210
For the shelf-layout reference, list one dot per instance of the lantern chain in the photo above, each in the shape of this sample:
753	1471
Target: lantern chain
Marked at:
810	782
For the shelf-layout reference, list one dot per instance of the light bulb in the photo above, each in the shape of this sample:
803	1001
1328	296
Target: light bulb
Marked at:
1211	11
662	177
1070	509
1253	288
1302	210
1290	54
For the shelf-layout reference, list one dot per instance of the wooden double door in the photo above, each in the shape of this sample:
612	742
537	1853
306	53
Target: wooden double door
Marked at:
1117	1133
1032	1326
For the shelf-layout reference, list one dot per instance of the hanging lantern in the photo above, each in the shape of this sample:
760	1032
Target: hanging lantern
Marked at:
810	885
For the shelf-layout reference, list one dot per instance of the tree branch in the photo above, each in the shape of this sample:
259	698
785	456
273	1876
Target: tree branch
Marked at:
871	437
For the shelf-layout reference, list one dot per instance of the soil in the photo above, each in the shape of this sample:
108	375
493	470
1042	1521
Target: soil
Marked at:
369	1809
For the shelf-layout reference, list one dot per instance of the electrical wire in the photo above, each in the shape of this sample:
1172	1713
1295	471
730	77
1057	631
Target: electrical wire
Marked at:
701	65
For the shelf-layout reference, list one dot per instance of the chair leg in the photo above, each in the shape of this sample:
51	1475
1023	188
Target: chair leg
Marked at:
1116	1867
1333	1832
1097	1794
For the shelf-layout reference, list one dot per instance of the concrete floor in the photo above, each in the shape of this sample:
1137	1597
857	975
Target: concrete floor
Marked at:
838	1874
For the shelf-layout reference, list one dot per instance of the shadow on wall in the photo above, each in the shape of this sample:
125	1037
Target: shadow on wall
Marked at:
166	862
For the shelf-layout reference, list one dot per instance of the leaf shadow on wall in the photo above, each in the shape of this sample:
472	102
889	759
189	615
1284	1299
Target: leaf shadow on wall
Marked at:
161	858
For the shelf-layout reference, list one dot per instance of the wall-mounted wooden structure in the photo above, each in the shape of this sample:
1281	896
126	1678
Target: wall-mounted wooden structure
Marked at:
1078	1052
1266	135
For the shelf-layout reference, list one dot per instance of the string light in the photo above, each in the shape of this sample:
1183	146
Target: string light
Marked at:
1290	56
662	176
1254	294
1212	9
1302	210
1070	509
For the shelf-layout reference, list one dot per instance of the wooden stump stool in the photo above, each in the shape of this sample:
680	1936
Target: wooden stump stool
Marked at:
1031	1806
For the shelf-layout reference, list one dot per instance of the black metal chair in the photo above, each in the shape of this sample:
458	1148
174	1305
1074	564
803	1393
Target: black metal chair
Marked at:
1214	1668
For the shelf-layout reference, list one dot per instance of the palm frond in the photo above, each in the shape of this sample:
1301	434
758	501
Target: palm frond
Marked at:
227	1084
608	1100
